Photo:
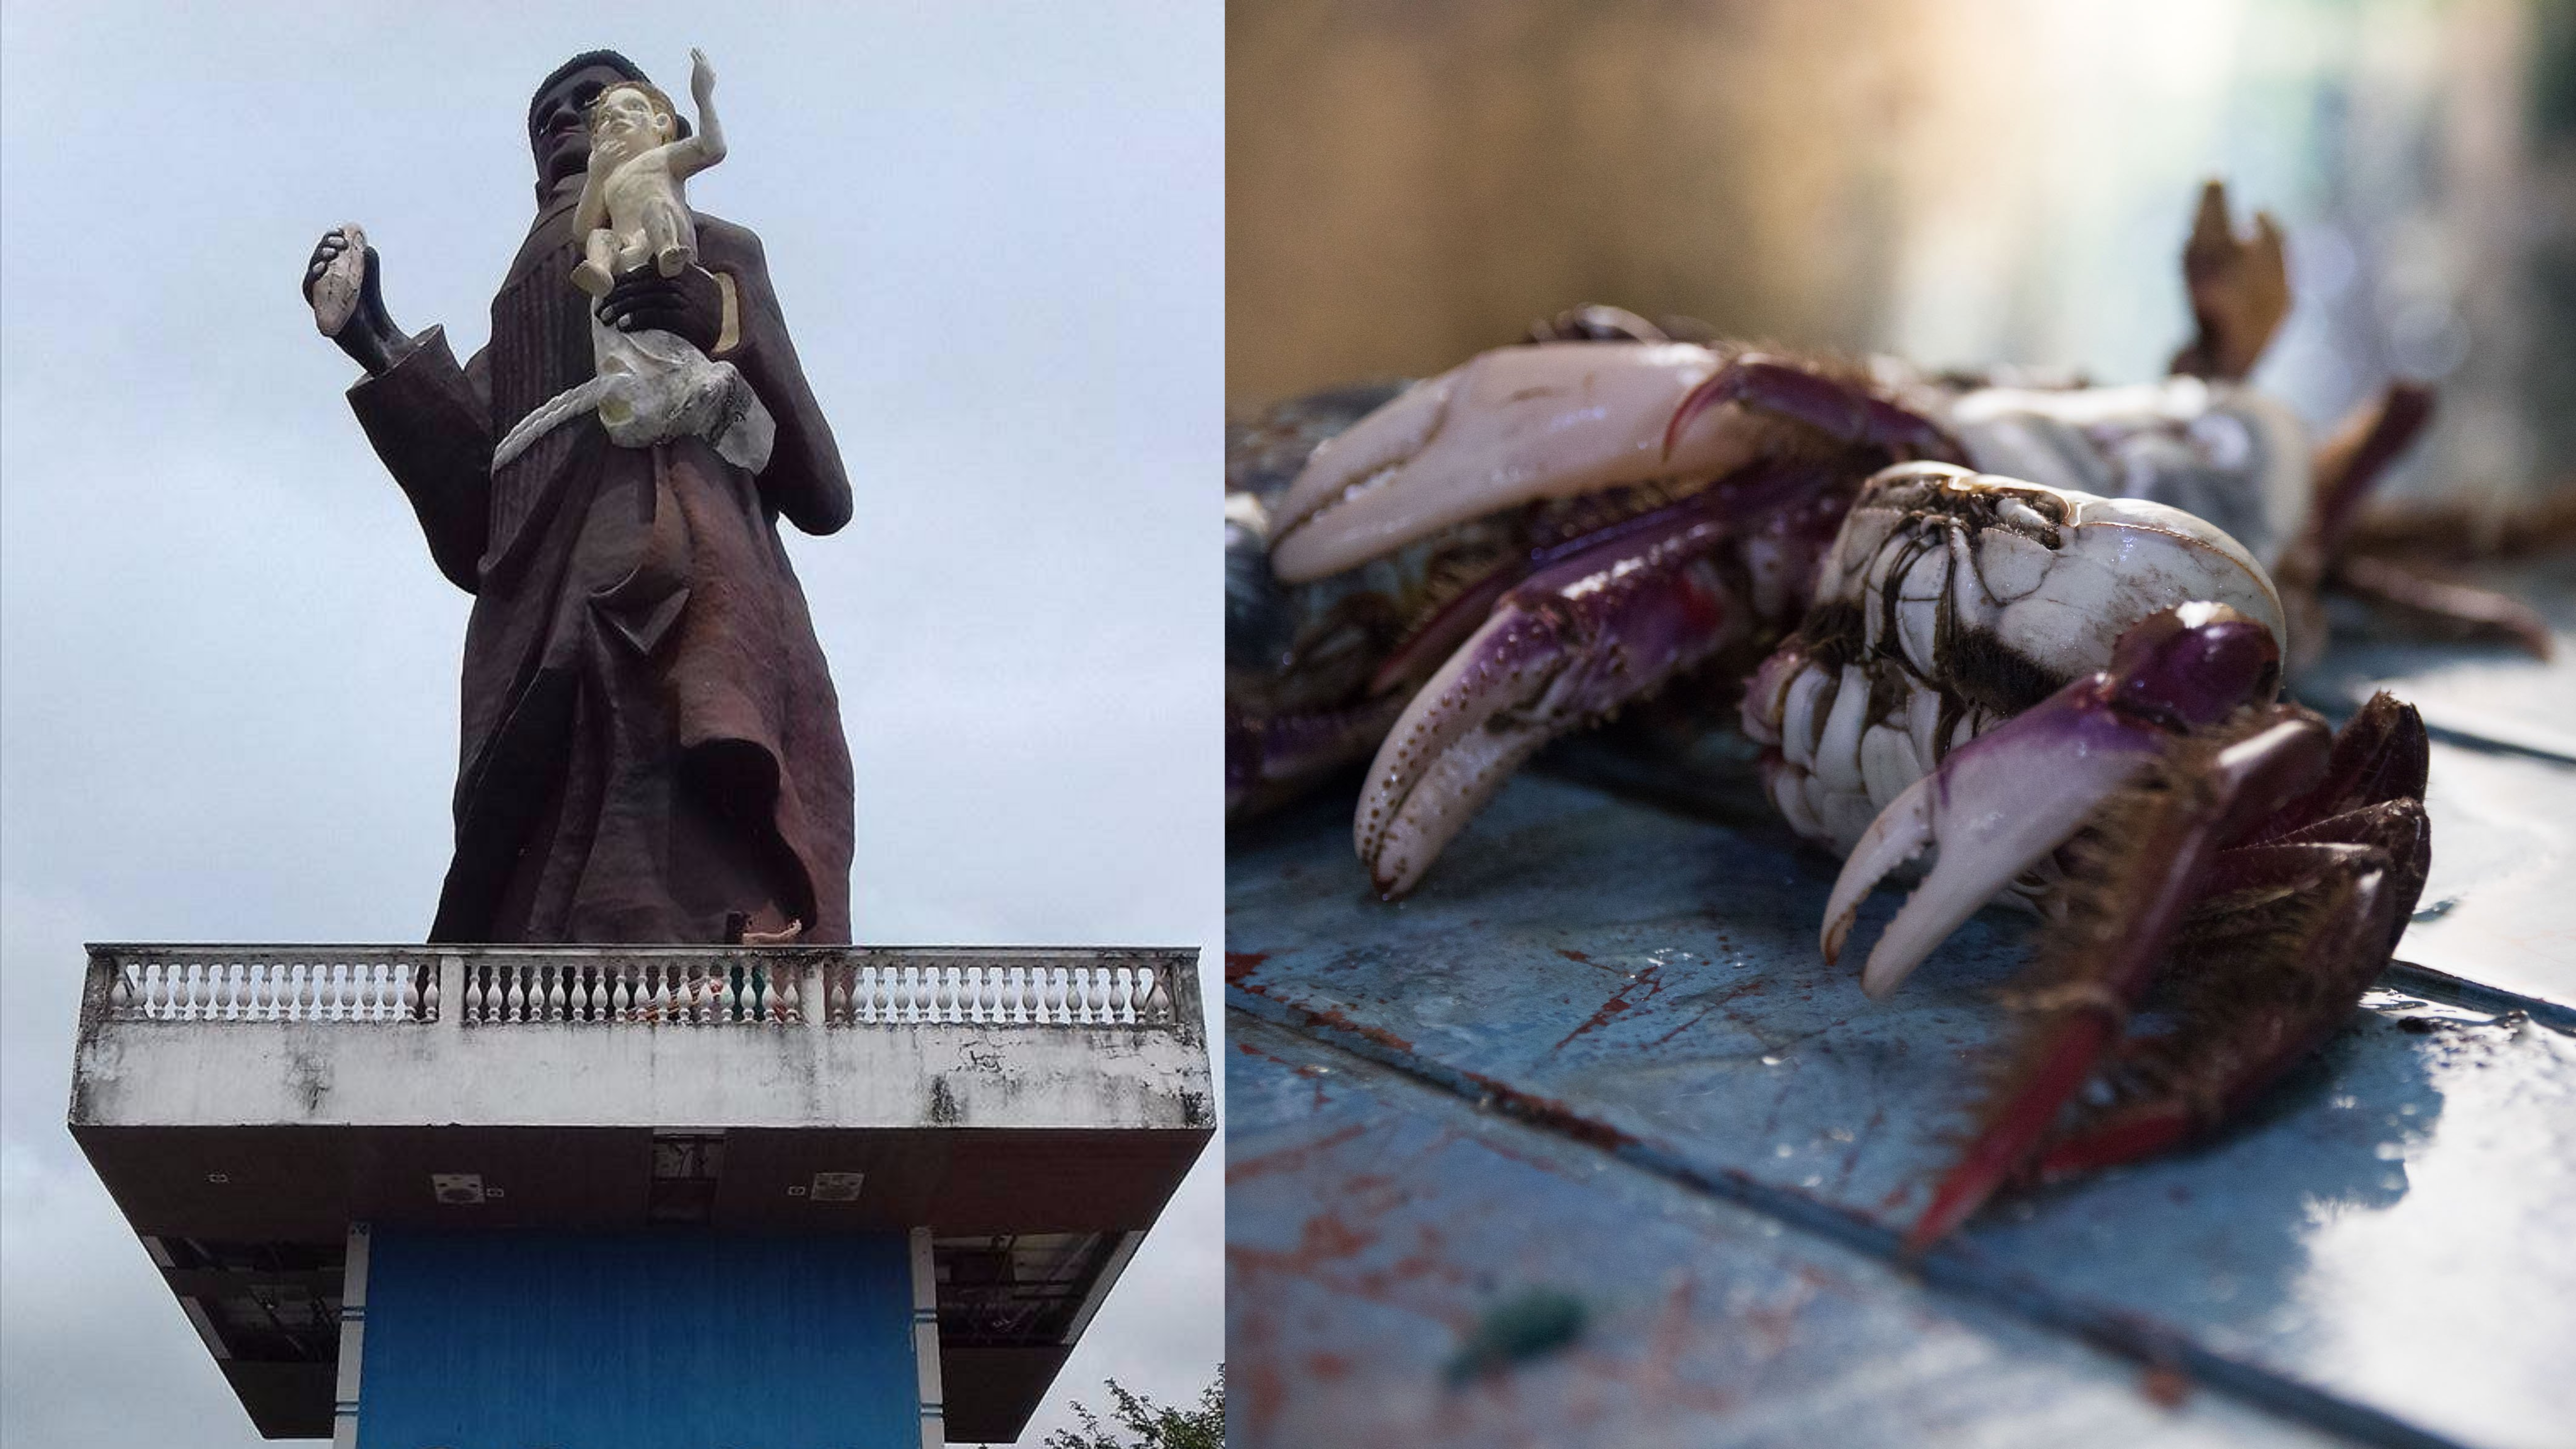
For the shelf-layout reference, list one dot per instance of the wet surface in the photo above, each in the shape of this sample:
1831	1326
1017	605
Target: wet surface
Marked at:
2478	695
1384	1236
2381	1248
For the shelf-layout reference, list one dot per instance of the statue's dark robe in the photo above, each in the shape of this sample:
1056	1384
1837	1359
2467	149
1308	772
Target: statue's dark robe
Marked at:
651	742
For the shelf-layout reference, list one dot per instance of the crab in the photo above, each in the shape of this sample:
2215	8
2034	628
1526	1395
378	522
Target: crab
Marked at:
2024	642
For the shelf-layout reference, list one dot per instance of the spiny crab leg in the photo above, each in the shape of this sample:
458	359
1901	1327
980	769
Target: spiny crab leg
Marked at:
2360	892
1564	647
1998	804
2258	879
2248	779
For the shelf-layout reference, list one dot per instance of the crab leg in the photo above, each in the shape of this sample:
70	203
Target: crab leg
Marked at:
2250	1007
1998	804
2107	957
1841	413
2380	755
1565	647
1268	753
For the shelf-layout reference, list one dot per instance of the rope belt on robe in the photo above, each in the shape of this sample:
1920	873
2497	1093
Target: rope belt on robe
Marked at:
651	387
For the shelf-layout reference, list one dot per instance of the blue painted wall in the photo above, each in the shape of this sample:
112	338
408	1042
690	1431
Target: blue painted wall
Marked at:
637	1341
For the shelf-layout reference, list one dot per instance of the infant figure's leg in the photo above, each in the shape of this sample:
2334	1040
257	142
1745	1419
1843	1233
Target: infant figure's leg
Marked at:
667	234
633	251
598	262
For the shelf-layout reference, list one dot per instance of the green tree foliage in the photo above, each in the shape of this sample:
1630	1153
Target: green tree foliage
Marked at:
1140	1423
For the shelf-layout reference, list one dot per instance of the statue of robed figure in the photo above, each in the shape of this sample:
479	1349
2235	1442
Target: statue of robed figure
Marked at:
651	745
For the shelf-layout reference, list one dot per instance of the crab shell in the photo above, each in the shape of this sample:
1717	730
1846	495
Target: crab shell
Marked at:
2220	451
1952	601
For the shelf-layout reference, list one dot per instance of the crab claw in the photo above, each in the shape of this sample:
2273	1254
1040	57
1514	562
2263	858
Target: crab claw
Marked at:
1558	420
1506	427
1997	805
1564	647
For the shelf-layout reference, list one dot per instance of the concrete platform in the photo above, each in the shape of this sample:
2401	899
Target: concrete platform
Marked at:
1033	1108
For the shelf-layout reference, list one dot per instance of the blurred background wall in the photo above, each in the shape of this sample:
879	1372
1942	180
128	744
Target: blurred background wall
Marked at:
1963	182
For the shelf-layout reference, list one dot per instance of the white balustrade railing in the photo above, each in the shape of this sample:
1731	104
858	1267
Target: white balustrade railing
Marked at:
997	993
681	991
264	986
672	987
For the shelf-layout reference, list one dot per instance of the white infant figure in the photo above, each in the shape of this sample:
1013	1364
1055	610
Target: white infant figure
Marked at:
633	208
650	386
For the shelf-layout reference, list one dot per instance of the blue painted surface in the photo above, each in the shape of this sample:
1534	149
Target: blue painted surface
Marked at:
637	1341
1376	1226
2382	1248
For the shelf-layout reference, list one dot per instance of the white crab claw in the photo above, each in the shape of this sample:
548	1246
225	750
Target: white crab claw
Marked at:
1505	428
1994	807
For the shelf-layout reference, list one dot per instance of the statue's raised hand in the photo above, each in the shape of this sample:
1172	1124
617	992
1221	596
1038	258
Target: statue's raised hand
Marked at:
702	77
340	284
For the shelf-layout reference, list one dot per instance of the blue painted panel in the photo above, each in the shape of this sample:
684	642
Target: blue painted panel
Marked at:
637	1341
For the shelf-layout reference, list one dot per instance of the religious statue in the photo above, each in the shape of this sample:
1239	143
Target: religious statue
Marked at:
651	745
651	386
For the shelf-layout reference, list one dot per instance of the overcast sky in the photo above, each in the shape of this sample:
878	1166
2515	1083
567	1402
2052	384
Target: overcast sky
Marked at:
228	668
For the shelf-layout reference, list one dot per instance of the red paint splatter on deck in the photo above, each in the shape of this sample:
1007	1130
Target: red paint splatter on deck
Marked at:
1335	1016
1328	1366
1529	1107
1714	1004
2165	1386
1240	964
1288	1158
1264	1392
1551	1114
1652	979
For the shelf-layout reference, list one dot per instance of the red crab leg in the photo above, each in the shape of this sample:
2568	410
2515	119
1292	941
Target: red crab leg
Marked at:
2476	612
1607	624
2254	1009
2381	754
2241	783
2349	464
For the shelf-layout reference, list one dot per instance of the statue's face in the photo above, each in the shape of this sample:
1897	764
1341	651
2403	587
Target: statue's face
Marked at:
627	123
559	131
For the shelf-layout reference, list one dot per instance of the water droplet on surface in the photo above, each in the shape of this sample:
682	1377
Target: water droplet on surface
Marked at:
1772	1061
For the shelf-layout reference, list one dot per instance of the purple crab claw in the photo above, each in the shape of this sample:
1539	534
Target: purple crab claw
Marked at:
1563	648
1998	805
